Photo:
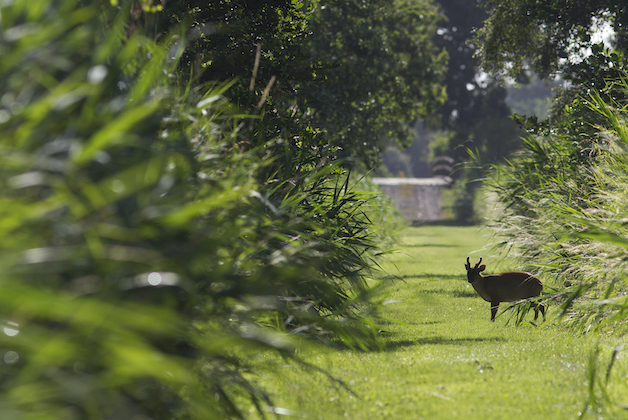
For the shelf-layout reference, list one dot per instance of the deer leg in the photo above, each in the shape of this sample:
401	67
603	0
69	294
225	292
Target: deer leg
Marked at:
539	307
494	307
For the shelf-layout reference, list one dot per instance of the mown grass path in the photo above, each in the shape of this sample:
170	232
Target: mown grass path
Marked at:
444	359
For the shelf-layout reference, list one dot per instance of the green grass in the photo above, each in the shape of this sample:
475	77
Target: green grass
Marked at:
444	359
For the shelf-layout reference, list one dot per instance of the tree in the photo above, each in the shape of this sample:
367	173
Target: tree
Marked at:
381	72
556	39
476	110
475	116
542	36
355	71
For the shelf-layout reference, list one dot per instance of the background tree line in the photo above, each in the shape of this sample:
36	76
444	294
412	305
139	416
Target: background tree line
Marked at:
475	115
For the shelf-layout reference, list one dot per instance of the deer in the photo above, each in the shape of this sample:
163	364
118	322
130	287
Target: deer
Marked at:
509	286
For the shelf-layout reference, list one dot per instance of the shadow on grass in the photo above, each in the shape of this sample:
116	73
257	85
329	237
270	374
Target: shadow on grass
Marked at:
465	293
430	276
451	293
429	246
454	223
400	344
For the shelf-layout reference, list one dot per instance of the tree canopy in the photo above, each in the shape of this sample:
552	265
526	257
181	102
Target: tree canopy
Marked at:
358	71
475	112
542	35
381	71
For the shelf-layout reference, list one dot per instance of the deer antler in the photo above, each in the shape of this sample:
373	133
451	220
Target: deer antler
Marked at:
479	262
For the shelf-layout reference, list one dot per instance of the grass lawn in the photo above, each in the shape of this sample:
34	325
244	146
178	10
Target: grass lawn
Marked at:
444	359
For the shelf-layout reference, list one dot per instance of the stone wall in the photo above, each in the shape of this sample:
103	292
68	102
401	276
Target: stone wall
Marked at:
418	199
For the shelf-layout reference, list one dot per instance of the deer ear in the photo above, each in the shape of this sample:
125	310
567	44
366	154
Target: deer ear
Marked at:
482	268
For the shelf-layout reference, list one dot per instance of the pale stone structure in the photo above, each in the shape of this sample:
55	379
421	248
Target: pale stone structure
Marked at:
418	199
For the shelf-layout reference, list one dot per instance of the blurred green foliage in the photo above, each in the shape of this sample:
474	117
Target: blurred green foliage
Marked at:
475	115
381	69
543	36
476	112
149	248
359	72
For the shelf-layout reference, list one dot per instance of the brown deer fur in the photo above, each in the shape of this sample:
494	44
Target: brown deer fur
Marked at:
510	286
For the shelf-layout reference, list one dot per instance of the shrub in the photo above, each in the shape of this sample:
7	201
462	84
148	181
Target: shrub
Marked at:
147	255
565	199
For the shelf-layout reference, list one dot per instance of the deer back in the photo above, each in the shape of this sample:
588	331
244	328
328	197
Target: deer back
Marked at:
509	286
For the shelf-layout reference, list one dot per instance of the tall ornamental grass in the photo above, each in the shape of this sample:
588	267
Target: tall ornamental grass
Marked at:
147	255
565	218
